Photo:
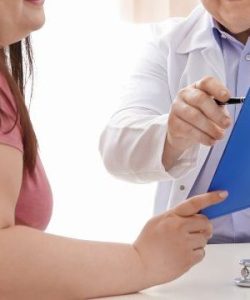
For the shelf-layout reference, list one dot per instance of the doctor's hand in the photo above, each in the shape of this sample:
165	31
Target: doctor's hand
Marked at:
195	118
171	243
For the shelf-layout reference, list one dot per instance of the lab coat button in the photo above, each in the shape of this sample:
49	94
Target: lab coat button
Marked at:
248	57
182	187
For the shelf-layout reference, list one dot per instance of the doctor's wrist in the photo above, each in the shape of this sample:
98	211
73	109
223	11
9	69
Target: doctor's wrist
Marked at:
171	154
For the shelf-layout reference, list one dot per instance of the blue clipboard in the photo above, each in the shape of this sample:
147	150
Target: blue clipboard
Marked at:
233	171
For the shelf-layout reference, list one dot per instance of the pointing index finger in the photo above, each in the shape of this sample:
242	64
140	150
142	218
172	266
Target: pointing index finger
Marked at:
195	204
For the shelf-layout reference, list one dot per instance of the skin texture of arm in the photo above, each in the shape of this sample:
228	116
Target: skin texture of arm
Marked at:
37	265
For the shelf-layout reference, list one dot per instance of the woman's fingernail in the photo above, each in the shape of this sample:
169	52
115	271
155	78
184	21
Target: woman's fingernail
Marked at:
223	194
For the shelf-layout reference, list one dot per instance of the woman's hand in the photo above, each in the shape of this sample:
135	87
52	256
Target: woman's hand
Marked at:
195	118
171	243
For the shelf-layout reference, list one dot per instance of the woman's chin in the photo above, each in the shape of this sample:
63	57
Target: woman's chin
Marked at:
37	23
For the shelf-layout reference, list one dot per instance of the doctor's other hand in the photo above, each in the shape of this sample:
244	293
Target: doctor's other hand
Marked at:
195	118
171	243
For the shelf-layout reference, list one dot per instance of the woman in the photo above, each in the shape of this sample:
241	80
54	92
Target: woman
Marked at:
168	106
36	265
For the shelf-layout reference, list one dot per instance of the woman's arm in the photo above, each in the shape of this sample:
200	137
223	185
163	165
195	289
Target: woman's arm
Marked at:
36	265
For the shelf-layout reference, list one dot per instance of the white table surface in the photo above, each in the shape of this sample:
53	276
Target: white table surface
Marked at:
212	279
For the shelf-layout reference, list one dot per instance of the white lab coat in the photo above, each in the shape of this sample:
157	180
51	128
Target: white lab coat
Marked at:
183	51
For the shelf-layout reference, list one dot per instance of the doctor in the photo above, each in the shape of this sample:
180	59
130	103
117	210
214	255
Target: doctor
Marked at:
169	129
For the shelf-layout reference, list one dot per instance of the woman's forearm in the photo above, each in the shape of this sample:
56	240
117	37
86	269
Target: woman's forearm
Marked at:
36	265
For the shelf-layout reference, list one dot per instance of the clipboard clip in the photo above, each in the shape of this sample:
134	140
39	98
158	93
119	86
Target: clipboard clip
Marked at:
244	280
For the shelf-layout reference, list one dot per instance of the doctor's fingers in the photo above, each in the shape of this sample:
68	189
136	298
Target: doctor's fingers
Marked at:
198	99
213	87
178	128
198	120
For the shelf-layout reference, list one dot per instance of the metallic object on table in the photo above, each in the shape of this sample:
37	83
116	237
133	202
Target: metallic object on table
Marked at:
245	273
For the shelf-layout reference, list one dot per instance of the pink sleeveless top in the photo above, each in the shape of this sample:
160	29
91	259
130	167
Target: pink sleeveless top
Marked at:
34	205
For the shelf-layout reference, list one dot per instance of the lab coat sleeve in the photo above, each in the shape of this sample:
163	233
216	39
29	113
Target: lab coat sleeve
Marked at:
132	143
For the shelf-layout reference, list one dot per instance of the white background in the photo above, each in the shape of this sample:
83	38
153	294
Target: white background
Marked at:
83	54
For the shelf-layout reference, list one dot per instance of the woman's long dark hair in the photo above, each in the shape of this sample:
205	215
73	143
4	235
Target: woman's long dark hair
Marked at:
16	65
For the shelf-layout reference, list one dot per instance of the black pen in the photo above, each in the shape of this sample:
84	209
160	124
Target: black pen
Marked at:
234	100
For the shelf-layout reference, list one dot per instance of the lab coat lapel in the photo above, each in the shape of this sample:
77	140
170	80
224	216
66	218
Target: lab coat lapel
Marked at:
204	56
214	59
